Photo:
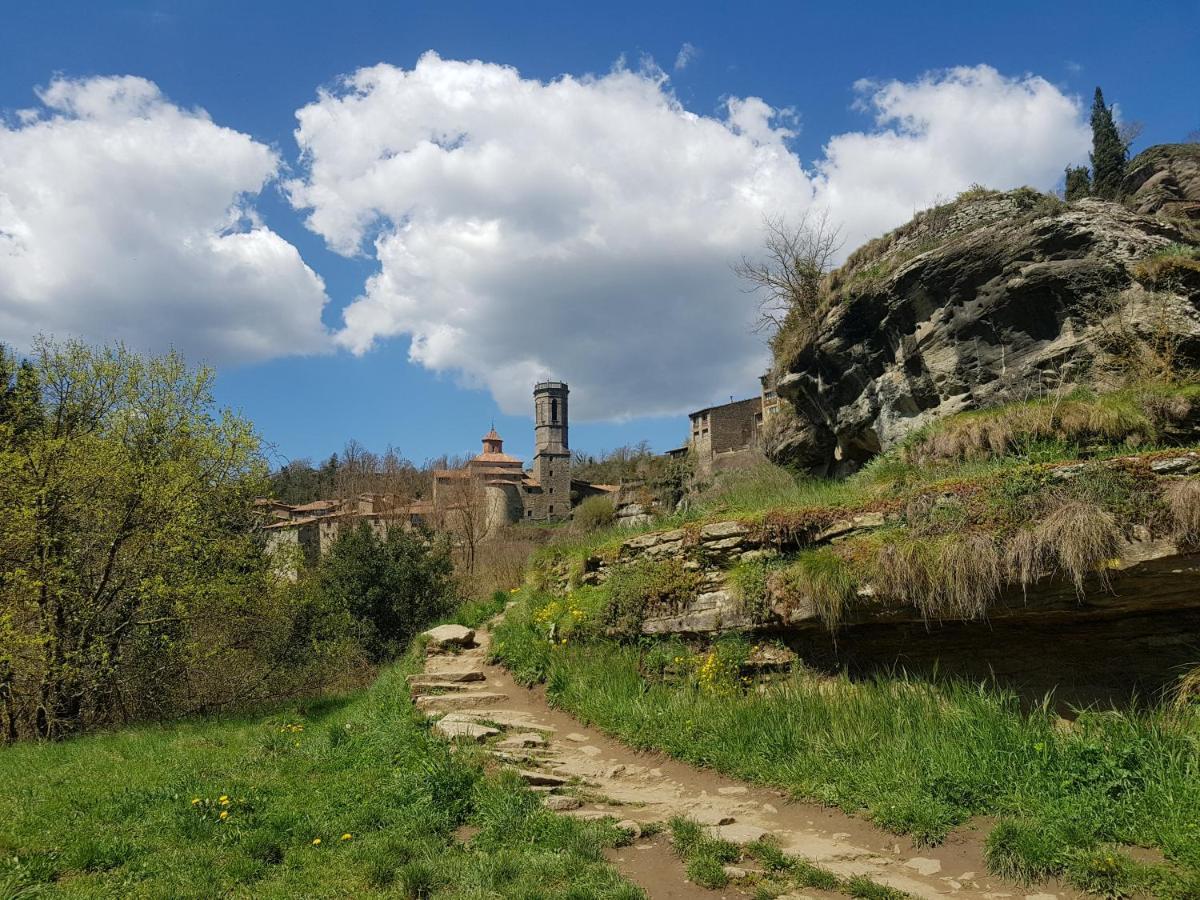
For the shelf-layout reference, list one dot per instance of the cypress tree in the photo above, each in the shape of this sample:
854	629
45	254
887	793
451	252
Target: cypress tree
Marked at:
1108	152
1078	183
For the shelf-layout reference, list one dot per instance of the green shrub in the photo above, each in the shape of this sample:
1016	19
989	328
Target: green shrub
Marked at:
594	513
635	588
393	586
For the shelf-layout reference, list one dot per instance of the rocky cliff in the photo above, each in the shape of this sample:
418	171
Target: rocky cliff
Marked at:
991	298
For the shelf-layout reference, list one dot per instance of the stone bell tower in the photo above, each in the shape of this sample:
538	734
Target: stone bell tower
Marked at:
552	453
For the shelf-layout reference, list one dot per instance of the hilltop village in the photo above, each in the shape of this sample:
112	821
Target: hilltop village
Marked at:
494	489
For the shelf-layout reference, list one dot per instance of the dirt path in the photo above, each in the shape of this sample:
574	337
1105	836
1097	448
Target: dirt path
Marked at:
584	773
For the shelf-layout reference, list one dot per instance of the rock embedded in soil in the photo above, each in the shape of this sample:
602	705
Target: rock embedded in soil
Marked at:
523	741
534	778
634	829
450	676
737	833
450	636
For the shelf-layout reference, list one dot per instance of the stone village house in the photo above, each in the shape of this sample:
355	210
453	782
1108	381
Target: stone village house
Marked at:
494	489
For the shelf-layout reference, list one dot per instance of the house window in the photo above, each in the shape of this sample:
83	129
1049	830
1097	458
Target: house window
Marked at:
552	510
551	490
554	410
529	513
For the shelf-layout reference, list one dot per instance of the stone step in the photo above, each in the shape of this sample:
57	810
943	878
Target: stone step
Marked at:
446	676
465	700
535	778
509	718
469	730
449	687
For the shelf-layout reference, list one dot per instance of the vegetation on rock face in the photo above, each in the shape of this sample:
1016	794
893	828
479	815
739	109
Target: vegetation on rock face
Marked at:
346	796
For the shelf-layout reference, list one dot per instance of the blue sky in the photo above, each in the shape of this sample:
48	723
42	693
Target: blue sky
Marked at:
250	67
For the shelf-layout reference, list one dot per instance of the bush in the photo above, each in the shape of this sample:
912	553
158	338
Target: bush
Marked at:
594	513
393	586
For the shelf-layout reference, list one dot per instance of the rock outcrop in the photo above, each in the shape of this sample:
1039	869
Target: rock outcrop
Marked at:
995	297
1165	179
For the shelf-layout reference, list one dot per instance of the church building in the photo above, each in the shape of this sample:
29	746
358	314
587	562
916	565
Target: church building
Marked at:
502	490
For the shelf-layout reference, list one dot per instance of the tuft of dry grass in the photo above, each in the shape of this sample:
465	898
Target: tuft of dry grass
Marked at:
968	577
1183	500
1080	537
951	577
1185	695
1025	557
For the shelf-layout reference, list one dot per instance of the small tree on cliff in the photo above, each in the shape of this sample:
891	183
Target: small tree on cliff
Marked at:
786	278
1109	152
1078	183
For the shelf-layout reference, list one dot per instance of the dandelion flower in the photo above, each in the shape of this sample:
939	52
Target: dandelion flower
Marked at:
195	801
316	842
224	798
347	836
224	815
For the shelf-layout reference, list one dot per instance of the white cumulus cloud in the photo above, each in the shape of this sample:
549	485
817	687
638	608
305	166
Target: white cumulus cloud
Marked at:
584	227
123	216
937	135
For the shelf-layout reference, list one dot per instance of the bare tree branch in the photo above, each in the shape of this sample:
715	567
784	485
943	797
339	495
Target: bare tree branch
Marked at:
787	277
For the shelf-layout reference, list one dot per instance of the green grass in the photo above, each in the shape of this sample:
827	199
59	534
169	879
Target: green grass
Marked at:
136	813
913	757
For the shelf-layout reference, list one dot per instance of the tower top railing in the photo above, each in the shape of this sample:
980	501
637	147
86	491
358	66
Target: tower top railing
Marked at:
549	386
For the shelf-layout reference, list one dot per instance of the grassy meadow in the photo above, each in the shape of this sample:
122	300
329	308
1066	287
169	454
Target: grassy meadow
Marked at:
348	796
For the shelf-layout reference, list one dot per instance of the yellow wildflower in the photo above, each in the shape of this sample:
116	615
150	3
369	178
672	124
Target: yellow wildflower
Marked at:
316	842
347	836
224	798
195	801
224	815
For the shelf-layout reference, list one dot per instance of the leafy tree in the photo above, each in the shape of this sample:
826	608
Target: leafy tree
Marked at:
128	551
1109	152
1078	183
392	585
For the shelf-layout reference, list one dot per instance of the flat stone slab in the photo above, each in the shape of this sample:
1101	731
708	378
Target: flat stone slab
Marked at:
451	636
448	676
509	718
924	865
427	684
560	803
577	737
465	700
535	778
470	730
